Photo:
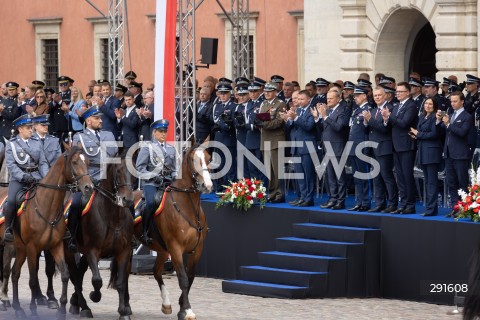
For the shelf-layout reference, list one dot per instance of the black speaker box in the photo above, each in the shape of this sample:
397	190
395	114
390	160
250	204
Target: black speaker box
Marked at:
208	50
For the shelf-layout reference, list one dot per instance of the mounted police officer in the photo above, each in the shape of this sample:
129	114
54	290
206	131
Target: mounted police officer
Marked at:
9	110
156	164
26	164
49	143
93	141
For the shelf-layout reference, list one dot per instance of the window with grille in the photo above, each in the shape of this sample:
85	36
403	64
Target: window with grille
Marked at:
50	61
104	57
251	61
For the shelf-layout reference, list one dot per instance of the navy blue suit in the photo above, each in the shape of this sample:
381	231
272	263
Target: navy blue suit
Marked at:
109	119
204	121
359	134
226	136
145	130
335	132
130	127
384	183
456	152
403	117
429	156
302	130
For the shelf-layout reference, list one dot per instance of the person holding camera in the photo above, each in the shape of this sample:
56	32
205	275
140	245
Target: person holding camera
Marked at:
26	163
223	113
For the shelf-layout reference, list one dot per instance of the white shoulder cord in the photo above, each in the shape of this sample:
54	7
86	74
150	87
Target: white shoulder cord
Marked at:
14	151
85	149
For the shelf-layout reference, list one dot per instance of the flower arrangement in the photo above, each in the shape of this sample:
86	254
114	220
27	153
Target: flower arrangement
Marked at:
243	193
469	205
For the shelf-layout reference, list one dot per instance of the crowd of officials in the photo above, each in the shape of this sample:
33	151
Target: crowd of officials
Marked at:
419	123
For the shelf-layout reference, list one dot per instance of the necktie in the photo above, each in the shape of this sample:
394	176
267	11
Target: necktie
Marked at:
26	142
329	112
454	116
43	141
97	135
399	108
201	107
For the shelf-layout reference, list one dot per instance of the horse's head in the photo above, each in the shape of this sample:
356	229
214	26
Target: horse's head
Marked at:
122	187
76	170
198	159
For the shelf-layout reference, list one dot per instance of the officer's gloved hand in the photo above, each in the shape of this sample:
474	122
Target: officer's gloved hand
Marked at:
258	123
28	179
157	179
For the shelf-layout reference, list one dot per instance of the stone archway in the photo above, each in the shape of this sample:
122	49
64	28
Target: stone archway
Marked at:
396	41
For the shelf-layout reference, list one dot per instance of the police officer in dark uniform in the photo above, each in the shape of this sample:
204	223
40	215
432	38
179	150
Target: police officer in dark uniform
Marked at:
367	85
129	77
252	142
431	91
278	80
322	89
472	99
260	82
26	164
60	124
10	110
416	93
240	119
156	164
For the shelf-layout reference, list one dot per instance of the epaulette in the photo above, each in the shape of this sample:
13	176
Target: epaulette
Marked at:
13	138
34	138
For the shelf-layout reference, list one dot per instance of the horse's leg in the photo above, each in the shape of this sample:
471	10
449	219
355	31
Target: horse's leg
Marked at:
177	260
121	262
7	256
78	304
58	255
17	267
92	258
52	302
32	260
157	272
39	297
192	260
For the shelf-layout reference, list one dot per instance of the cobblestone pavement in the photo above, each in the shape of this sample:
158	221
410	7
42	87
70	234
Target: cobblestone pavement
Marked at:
210	303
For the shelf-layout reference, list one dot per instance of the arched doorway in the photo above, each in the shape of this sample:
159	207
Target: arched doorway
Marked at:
402	45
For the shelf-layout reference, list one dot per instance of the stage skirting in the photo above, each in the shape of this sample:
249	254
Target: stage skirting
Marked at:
415	252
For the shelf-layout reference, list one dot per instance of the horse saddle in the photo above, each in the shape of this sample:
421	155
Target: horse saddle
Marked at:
159	201
21	201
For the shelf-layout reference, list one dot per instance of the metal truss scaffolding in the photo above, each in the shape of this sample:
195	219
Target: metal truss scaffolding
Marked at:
240	39
185	104
116	41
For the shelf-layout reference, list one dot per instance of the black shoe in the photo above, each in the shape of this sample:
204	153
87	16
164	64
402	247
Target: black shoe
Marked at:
398	211
144	238
305	204
295	202
377	209
428	214
8	235
408	211
328	204
390	209
356	208
278	200
364	208
338	206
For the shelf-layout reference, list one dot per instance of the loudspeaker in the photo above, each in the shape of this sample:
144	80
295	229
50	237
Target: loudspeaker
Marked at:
208	50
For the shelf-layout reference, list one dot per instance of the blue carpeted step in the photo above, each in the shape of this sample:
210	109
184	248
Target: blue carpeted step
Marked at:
345	218
335	266
317	247
263	289
285	276
331	232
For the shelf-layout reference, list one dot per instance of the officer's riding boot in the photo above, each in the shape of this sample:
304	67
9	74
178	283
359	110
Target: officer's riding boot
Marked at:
8	235
145	237
73	226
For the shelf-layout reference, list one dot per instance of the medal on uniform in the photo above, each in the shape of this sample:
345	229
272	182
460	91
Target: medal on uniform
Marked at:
22	154
91	149
157	159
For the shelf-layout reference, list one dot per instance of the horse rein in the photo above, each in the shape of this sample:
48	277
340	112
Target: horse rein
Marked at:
112	196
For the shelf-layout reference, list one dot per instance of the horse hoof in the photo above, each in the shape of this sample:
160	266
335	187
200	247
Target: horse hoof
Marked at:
42	301
6	303
52	304
95	296
124	318
2	307
166	309
20	314
86	313
74	309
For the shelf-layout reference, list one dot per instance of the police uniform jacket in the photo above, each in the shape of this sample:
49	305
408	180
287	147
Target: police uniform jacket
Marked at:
253	133
51	148
155	159
429	140
358	129
443	103
92	147
10	112
242	124
471	102
380	133
23	159
226	135
419	100
281	96
273	130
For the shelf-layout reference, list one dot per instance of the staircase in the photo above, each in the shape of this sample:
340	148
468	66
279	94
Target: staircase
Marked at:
330	256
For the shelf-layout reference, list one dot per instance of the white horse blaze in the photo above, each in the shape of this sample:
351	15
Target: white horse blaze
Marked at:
204	172
164	293
82	157
190	315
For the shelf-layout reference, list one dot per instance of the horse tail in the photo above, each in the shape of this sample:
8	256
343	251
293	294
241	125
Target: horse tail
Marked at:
113	274
471	309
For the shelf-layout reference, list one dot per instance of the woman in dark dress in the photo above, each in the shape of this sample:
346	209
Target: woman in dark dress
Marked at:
429	153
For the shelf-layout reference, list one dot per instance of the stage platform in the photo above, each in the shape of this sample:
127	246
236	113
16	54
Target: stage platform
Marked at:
409	255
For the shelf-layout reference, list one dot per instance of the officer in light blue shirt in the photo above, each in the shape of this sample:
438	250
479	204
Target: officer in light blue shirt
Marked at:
156	164
26	164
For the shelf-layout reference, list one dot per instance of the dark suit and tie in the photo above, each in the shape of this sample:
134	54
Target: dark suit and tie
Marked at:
204	121
402	118
109	120
130	125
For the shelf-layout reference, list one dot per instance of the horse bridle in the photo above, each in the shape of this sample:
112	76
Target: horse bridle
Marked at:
113	196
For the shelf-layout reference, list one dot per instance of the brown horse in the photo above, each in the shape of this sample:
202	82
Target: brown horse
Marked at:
106	231
41	225
181	227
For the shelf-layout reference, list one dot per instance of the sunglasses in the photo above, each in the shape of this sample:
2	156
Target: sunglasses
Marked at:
40	97
63	84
